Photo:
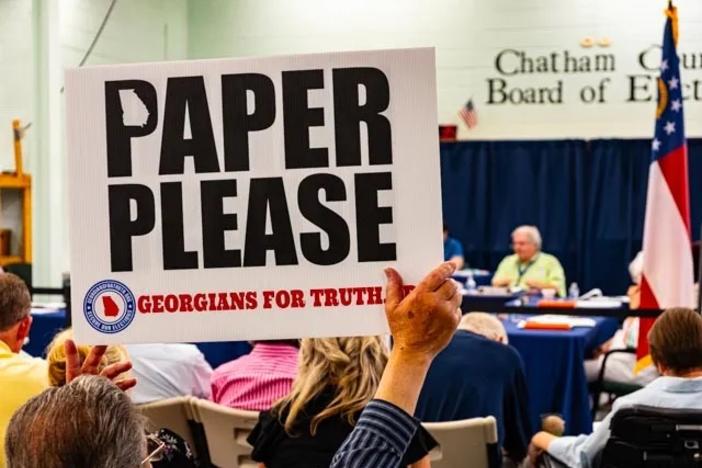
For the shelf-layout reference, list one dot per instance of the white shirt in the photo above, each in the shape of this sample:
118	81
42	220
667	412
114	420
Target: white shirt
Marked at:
168	370
664	392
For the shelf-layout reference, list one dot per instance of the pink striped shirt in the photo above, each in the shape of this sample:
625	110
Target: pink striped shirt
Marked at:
256	381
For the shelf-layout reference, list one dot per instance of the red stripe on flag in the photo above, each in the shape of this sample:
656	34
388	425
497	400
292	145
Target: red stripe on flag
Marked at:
648	301
674	168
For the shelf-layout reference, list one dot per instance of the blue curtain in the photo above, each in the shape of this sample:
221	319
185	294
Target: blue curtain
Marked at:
587	198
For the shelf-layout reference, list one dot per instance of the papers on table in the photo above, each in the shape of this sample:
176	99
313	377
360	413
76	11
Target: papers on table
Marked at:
600	303
493	291
557	322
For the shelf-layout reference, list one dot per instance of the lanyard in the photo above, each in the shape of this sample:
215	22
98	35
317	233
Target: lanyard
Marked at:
522	270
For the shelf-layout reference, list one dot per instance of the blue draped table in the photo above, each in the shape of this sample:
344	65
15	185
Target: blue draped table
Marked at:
46	324
554	370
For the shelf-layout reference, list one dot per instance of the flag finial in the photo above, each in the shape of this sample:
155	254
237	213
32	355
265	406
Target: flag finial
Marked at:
672	13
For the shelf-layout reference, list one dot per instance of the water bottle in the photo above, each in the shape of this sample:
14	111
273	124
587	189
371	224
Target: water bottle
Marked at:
470	282
574	291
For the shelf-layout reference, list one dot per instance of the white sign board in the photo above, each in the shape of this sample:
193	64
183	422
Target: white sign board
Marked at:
249	198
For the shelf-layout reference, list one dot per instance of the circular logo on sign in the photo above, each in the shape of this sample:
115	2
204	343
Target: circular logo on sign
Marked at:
109	306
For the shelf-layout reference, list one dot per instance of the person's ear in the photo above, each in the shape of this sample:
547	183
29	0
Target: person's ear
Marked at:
23	329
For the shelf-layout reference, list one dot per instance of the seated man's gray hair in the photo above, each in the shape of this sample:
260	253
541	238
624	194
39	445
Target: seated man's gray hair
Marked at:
88	423
532	232
484	324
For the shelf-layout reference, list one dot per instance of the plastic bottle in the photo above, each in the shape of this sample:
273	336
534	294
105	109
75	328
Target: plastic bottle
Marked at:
470	282
574	291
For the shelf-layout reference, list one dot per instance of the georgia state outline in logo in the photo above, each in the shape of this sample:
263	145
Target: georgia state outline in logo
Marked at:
109	306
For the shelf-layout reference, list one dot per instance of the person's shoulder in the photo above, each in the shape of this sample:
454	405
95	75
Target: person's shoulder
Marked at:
229	367
184	350
503	354
549	258
466	341
643	396
31	372
511	258
35	365
40	372
180	352
513	361
267	433
506	355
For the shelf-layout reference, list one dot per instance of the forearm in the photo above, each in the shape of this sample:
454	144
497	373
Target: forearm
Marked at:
402	380
500	281
541	440
381	437
542	284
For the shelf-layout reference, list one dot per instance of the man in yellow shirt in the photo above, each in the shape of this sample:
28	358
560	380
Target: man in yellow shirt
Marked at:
529	267
21	377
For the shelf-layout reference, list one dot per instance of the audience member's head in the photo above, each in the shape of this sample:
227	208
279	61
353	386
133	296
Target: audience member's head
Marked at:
56	357
484	324
352	367
88	423
526	242
15	306
675	342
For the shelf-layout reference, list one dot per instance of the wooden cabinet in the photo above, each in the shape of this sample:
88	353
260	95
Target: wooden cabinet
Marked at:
16	190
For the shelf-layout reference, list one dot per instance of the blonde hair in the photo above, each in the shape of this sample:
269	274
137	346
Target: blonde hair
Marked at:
56	357
352	366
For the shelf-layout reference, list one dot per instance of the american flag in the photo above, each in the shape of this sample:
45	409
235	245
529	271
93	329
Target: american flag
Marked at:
667	279
468	114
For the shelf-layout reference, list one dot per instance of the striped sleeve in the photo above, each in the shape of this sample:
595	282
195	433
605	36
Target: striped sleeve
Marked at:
380	438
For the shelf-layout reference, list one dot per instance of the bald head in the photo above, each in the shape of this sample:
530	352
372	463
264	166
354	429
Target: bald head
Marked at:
484	324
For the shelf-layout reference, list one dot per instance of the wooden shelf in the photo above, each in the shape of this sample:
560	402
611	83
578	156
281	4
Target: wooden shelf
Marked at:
10	259
15	181
22	182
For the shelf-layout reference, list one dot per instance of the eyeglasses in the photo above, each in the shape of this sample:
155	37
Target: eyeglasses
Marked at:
155	454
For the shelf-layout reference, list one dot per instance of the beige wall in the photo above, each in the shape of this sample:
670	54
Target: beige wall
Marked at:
39	38
468	36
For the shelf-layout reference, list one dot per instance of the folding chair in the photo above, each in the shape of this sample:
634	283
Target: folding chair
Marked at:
466	443
174	414
226	430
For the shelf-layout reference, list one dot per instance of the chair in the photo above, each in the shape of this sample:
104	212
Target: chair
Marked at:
226	430
174	414
601	385
466	443
642	436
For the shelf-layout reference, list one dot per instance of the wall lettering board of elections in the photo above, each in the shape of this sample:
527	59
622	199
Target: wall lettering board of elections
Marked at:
255	198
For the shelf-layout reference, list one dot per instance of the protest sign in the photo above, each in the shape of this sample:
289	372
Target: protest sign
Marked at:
249	198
